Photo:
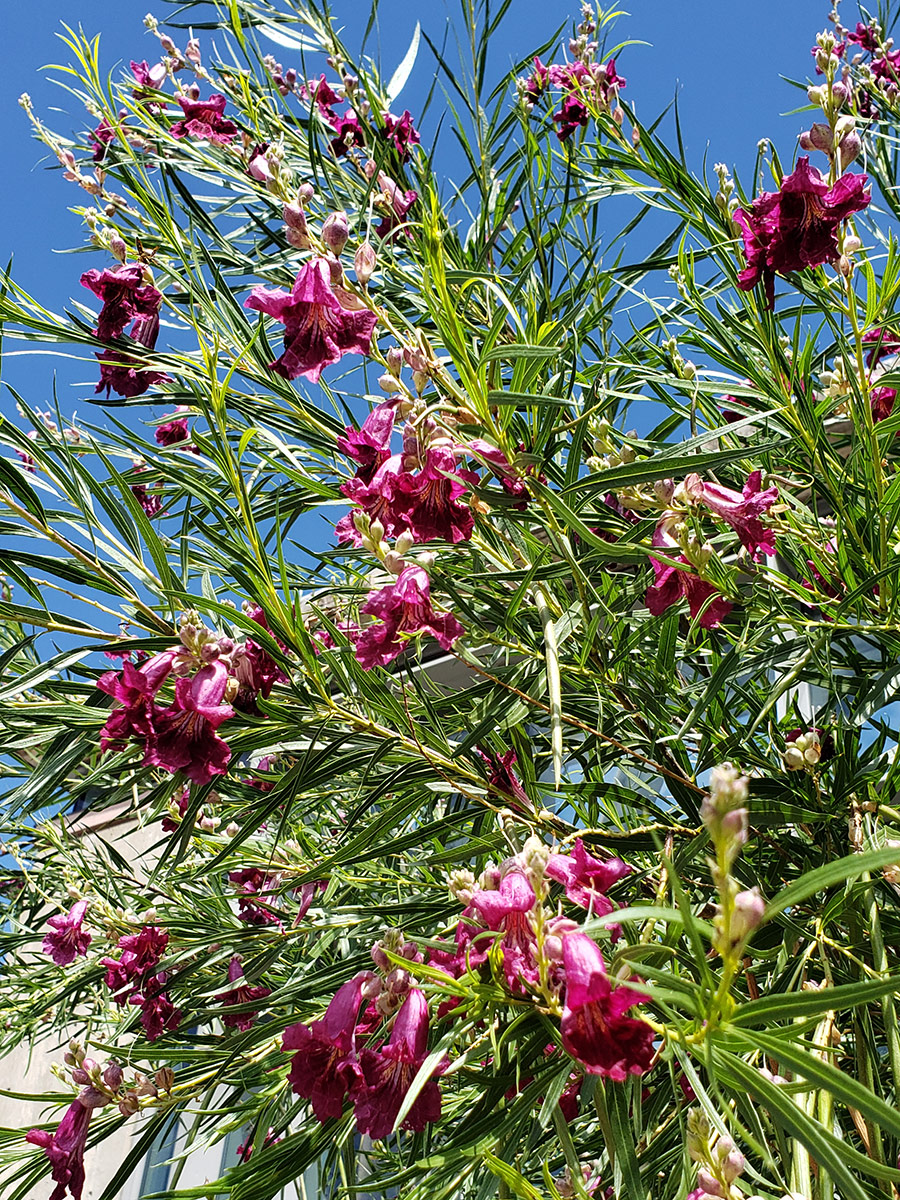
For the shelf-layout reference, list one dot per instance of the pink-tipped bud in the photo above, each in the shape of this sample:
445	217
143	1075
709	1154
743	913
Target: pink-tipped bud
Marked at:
379	958
192	52
80	1076
708	1182
749	908
305	193
336	231
364	262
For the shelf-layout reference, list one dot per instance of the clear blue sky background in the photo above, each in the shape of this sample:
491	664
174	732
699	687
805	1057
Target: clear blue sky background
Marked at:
724	63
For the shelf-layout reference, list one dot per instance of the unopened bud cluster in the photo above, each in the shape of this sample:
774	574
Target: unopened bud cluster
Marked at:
719	1161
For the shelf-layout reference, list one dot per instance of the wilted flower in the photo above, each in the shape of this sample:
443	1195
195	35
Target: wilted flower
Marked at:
241	994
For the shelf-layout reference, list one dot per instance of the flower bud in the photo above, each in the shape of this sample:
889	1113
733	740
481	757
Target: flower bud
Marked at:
733	1165
305	193
379	958
112	1076
336	231
389	384
394	562
749	908
364	262
80	1076
708	1182
371	988
397	981
698	1134
404	542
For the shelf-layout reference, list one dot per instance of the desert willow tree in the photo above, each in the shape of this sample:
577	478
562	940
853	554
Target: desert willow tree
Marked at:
616	913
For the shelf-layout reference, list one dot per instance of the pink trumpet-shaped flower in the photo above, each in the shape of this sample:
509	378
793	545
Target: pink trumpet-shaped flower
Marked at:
741	510
67	939
125	295
65	1148
185	735
797	226
324	1067
594	1028
585	878
404	610
672	584
370	444
321	322
203	119
388	1072
507	910
428	502
242	993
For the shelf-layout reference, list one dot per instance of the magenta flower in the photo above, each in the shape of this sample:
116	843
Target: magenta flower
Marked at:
325	1067
741	510
388	1072
102	136
125	376
67	939
864	36
797	226
507	911
594	1028
376	498
323	95
125	295
141	954
585	878
252	884
347	133
321	322
370	444
158	1014
146	76
185	735
400	131
243	993
572	114
536	84
404	610
65	1148
134	689
170	433
203	119
501	776
672	584
428	502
